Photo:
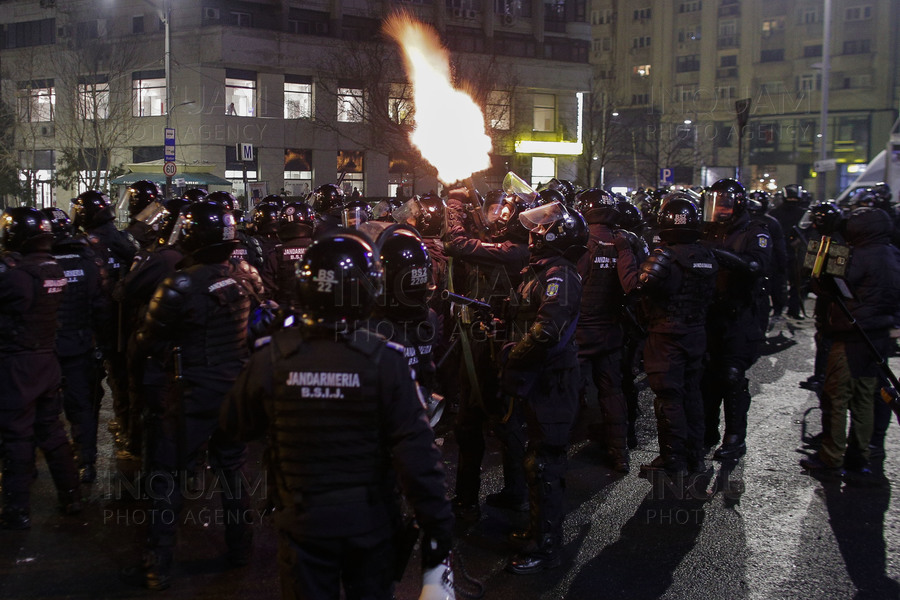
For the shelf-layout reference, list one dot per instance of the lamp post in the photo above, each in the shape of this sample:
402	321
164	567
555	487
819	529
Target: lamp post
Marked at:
167	20
823	118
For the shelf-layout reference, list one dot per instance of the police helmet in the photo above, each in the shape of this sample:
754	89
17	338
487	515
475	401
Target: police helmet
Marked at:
883	191
91	209
549	196
864	197
355	213
383	210
679	219
297	219
598	206
407	270
425	213
339	278
60	223
555	229
206	230
194	194
630	216
25	229
793	192
224	199
826	217
167	225
328	199
275	199
265	217
138	196
566	187
757	202
501	215
724	202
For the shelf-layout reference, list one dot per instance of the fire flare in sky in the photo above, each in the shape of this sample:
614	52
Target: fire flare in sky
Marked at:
449	126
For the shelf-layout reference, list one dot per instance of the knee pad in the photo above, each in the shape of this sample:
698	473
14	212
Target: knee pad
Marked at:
735	381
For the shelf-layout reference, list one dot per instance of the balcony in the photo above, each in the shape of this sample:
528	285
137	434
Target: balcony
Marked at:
729	41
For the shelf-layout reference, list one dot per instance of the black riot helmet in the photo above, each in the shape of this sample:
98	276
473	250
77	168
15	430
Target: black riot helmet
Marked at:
275	199
825	217
679	219
565	187
91	209
138	196
173	210
757	202
408	284
724	202
265	217
425	213
206	230
501	214
598	206
224	199
793	192
297	219
630	216
25	229
555	229
355	213
328	199
194	194
60	223
863	197
384	209
338	278
883	191
549	196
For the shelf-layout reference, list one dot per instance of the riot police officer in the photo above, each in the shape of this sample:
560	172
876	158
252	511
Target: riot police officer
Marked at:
540	372
31	290
351	399
677	285
197	327
328	202
734	330
788	215
776	284
296	225
609	271
82	316
137	197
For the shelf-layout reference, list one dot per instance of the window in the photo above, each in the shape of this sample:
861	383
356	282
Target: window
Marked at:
349	105
689	34
641	70
297	97
809	82
726	92
606	16
810	16
498	110
642	14
400	107
728	60
857	46
241	19
773	55
770	26
857	81
149	93
687	93
240	92
603	44
30	33
93	98
641	42
857	13
772	87
690	6
350	170
297	171
36	101
544	112
234	168
543	169
137	24
685	64
640	99
812	51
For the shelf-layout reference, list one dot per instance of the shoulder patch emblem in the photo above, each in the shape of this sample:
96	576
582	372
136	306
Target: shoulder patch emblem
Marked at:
762	240
552	290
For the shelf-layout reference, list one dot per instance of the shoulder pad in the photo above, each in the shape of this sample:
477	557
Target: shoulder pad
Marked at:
181	281
131	240
396	347
262	342
92	238
367	342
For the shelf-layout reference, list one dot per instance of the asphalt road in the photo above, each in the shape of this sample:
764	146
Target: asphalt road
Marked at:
763	530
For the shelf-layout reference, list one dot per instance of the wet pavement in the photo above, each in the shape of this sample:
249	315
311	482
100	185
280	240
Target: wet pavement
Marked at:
762	530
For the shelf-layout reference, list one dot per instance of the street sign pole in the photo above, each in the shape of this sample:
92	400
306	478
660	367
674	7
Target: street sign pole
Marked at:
169	157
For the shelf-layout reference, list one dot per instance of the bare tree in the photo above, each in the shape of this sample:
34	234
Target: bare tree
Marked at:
603	133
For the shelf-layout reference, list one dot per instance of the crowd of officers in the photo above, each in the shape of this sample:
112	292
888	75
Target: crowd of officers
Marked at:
338	331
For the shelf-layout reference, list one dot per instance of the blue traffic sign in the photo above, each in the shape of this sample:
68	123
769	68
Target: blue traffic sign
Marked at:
667	176
170	144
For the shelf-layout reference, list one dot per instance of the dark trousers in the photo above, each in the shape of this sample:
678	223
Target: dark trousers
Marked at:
316	568
30	407
605	368
82	393
673	363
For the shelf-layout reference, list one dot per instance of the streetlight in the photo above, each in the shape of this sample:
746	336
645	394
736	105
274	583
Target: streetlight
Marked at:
826	83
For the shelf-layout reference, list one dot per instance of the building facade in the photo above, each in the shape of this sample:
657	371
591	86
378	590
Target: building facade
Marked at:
672	71
277	95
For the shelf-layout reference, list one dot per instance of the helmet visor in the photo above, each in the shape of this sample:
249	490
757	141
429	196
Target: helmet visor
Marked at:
353	217
408	213
382	210
124	199
807	220
178	229
152	215
718	207
539	219
513	184
497	211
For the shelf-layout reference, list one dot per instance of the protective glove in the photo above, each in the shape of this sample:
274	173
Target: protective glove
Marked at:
656	268
620	241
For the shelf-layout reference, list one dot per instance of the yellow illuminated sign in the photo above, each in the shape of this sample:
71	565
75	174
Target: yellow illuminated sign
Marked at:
551	148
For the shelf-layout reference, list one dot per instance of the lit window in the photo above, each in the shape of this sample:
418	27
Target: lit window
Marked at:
544	112
240	96
543	169
297	171
93	100
498	110
36	101
149	95
642	70
349	105
297	100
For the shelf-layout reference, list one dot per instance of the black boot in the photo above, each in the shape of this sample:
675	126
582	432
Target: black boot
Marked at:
546	555
16	519
152	572
70	501
732	448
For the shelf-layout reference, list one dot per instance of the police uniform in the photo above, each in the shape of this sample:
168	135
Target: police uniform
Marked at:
675	314
734	331
31	291
202	311
82	319
342	417
278	269
541	374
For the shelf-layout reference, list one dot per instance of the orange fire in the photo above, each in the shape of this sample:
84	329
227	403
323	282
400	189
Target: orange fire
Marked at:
449	125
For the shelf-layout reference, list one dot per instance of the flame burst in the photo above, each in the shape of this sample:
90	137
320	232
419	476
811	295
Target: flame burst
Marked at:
449	125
